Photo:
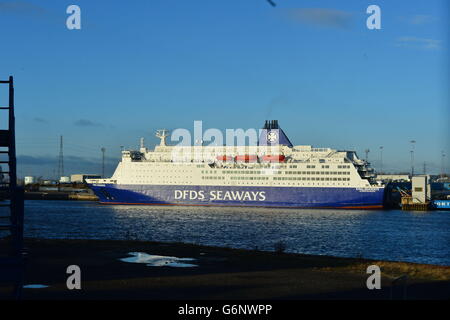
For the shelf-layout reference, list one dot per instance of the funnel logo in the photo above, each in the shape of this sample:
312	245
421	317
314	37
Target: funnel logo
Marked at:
272	136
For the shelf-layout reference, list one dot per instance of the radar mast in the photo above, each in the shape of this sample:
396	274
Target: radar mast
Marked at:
162	134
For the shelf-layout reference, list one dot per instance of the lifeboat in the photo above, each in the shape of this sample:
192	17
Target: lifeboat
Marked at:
224	158
270	158
247	158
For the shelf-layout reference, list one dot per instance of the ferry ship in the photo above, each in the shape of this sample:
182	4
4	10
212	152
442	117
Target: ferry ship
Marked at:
271	173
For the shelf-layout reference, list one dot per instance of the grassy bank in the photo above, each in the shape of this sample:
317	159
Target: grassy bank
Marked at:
222	273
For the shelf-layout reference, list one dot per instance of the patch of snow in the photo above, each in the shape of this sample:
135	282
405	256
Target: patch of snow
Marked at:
158	261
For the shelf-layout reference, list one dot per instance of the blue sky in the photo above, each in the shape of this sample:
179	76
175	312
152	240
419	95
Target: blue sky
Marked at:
139	66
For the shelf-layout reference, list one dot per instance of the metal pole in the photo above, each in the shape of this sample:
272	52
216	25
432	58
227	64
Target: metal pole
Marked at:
442	164
103	162
412	157
381	159
12	132
61	158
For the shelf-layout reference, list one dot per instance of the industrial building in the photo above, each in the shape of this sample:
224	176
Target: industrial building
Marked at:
29	180
81	178
421	190
64	180
393	178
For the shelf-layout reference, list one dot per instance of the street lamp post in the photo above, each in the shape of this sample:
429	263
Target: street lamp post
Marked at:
412	157
381	159
442	164
103	162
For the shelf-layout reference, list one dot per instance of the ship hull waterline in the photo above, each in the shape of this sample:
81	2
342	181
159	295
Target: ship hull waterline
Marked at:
240	196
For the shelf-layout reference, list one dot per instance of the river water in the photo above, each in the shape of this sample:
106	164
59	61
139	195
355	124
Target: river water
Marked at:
422	237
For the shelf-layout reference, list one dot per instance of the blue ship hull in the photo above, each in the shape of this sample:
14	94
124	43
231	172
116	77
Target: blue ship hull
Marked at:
293	197
441	204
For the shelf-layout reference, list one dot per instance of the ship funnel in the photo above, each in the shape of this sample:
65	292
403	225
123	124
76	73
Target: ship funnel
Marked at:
272	135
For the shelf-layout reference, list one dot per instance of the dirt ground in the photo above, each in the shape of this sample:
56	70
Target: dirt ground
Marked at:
221	274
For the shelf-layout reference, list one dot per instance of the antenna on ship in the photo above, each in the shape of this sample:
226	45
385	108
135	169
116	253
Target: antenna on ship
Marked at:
142	148
367	154
162	134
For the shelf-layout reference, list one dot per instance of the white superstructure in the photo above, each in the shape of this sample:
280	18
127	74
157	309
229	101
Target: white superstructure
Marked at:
304	166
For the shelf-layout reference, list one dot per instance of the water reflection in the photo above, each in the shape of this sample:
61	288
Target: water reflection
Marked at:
389	235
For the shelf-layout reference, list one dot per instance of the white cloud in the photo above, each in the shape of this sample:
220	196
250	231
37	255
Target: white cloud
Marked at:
423	43
419	19
321	17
